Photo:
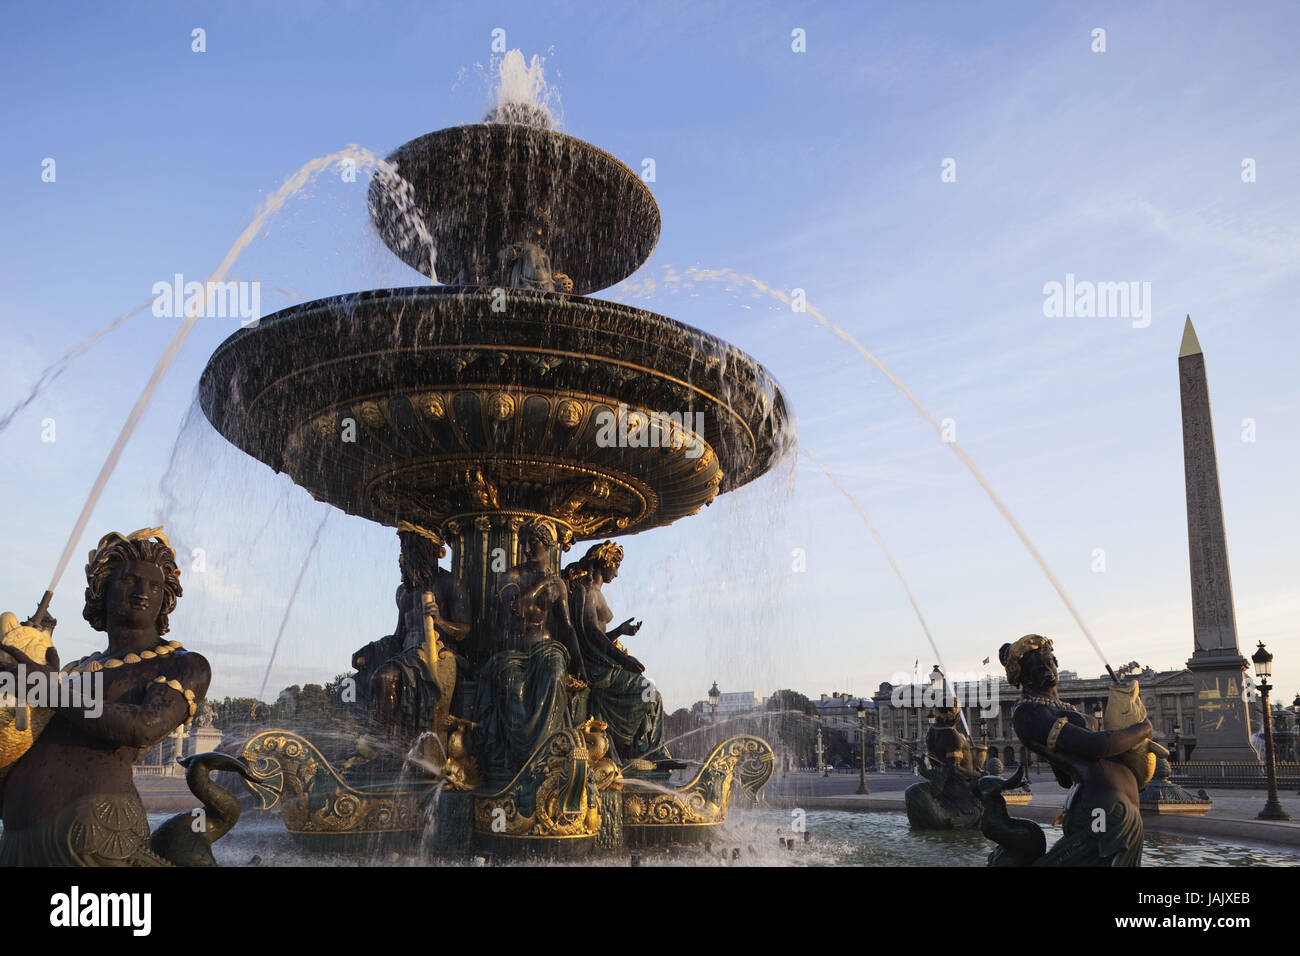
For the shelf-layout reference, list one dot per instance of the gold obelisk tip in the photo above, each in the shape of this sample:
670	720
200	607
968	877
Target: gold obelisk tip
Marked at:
1190	344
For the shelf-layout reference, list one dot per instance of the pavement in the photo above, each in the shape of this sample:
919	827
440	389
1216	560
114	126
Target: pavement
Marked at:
1233	814
165	794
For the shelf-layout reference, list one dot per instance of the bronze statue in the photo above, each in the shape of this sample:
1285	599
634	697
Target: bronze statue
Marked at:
525	265
538	663
945	799
624	700
70	799
411	675
1102	822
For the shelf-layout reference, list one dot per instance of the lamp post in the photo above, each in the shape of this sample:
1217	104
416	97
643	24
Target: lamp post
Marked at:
1295	709
862	743
1178	729
714	694
1263	670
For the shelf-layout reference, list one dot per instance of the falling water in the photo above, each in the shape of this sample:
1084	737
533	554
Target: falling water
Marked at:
284	622
52	372
730	277
406	222
742	718
522	83
897	570
880	541
304	175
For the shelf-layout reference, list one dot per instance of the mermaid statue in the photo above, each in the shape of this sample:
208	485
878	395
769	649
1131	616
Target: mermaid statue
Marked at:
1102	823
626	701
69	799
945	799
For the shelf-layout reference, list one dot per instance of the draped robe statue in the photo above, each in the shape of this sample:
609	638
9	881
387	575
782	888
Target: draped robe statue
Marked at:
625	700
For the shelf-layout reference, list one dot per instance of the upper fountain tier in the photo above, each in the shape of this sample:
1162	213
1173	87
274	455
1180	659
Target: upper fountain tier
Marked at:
478	190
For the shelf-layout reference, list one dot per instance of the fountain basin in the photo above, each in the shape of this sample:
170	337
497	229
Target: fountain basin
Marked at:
429	405
479	188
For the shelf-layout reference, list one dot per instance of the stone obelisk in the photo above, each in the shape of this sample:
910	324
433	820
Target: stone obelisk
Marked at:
1222	728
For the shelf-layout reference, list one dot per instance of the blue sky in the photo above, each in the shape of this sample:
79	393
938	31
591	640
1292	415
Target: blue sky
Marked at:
818	170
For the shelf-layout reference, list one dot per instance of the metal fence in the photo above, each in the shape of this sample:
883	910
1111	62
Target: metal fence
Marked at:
1225	774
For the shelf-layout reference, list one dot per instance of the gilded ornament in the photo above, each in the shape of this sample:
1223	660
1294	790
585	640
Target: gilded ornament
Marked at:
500	406
569	414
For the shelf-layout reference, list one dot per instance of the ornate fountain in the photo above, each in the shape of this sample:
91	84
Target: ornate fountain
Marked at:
496	413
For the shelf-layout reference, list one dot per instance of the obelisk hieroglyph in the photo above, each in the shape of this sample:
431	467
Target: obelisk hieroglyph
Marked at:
1222	729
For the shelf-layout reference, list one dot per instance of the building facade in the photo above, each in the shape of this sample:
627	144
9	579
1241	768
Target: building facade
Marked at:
904	712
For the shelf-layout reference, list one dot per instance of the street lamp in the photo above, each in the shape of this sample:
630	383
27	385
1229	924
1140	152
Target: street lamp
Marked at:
862	744
1178	729
1295	709
821	750
1263	670
714	694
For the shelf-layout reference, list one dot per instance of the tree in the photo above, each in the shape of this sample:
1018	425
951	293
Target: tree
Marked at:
791	700
233	710
681	721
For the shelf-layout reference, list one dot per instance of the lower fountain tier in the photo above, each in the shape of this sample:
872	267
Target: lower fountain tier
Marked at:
435	404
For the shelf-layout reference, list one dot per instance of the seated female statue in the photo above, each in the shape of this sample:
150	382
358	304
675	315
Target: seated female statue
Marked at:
528	681
620	696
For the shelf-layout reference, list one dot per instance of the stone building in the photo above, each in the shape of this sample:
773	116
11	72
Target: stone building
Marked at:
905	710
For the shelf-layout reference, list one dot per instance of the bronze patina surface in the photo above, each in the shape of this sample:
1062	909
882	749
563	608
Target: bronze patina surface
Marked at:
67	793
946	798
481	188
457	410
1102	823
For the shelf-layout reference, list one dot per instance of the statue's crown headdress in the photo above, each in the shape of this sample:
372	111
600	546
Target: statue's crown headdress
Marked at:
1012	654
114	539
607	552
404	527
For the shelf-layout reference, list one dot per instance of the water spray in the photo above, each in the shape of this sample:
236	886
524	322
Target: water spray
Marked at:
925	628
732	277
287	190
293	596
